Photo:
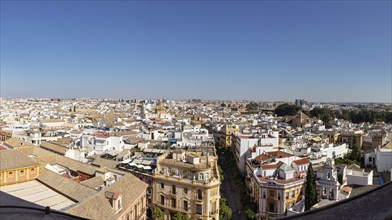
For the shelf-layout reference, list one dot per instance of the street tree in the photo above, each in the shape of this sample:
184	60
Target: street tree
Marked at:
158	213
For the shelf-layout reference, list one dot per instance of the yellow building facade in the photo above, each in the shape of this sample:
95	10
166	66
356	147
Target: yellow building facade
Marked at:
226	136
187	182
15	167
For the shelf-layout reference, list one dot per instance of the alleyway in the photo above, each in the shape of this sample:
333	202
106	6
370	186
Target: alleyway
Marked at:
230	193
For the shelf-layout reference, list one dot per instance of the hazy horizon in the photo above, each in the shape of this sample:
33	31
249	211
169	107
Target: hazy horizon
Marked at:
193	98
321	51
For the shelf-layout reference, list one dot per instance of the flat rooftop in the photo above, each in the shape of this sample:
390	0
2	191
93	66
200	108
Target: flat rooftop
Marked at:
35	192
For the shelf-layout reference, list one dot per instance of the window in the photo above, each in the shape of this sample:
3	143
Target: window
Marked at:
174	191
214	207
370	159
185	190
263	194
329	175
287	195
190	175
21	172
185	205
119	204
136	217
200	176
162	186
199	209
199	194
162	200
10	174
173	203
278	196
271	207
292	194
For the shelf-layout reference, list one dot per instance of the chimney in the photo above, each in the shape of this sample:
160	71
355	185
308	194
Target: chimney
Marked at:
115	200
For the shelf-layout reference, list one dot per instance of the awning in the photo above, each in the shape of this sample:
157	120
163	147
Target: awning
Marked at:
126	161
147	168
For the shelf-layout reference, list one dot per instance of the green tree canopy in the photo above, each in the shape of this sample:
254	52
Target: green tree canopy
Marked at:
225	211
310	190
353	115
250	214
158	213
252	106
287	109
180	216
354	157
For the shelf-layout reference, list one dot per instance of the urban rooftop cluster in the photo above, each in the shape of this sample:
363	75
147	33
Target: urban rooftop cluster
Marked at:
188	159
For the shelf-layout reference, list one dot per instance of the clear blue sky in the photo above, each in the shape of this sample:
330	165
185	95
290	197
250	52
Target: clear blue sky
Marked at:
256	50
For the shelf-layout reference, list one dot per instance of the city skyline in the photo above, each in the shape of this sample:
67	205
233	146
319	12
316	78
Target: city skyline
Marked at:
262	51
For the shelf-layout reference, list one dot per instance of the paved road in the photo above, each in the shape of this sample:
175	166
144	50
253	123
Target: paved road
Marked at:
230	193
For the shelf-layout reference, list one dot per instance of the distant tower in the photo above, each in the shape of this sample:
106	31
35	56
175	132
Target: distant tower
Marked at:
159	109
300	102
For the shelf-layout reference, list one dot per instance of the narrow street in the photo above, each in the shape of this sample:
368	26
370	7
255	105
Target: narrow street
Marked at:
230	193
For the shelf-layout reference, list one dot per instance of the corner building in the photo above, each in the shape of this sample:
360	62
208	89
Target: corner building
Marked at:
188	182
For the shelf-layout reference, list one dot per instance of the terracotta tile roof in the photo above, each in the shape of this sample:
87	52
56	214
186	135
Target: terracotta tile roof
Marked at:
68	187
12	159
302	161
269	166
262	157
129	187
278	154
94	182
101	162
16	142
88	208
54	147
44	156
